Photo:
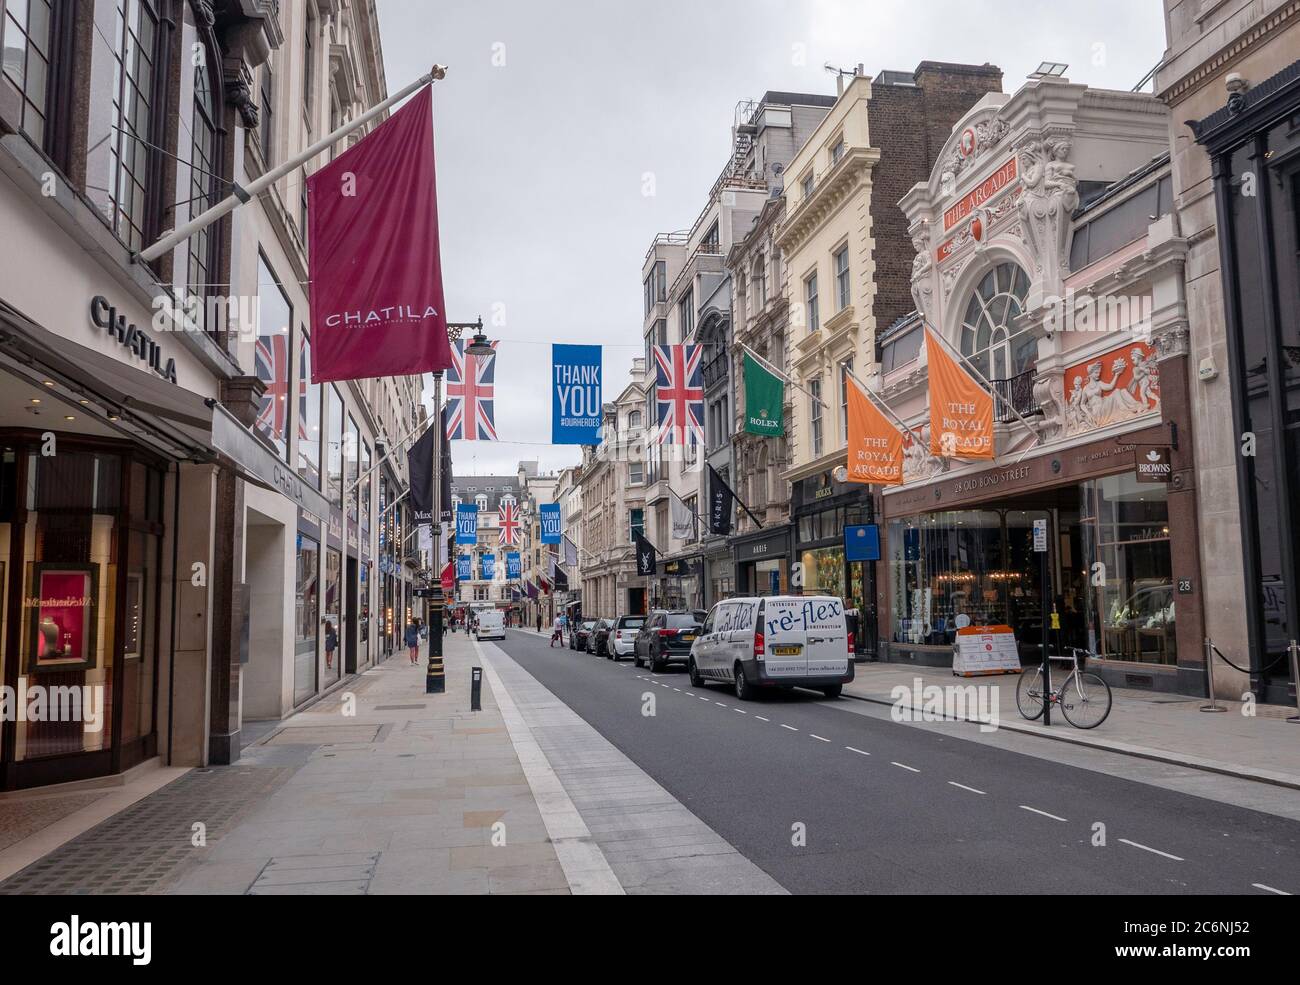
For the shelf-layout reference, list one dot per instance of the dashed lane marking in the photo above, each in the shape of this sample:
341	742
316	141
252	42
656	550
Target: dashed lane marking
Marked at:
741	710
818	737
904	766
1270	889
860	752
1035	810
790	727
762	719
963	786
1153	851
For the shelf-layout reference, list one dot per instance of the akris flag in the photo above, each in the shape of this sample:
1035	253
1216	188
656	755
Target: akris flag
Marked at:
374	262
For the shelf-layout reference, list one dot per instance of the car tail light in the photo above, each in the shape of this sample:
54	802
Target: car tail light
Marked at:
667	632
760	645
851	651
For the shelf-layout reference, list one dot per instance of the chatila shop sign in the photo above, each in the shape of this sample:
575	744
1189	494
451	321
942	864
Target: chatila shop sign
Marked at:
142	345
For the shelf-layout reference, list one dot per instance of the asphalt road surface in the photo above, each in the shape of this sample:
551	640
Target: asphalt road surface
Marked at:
884	807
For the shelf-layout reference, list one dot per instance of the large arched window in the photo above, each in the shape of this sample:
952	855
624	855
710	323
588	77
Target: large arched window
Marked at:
987	333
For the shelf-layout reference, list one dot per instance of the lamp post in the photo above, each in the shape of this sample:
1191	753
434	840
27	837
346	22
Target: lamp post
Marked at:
435	679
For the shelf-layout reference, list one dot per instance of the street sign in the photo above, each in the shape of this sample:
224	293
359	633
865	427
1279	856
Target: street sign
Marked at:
1040	535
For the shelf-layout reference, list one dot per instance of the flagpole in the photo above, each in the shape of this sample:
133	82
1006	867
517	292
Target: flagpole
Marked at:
748	511
239	196
776	372
879	402
980	376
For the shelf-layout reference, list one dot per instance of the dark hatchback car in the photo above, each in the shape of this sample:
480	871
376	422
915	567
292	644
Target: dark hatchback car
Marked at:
578	638
598	638
666	637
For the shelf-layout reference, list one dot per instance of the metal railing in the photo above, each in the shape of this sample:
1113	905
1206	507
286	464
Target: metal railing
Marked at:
1018	392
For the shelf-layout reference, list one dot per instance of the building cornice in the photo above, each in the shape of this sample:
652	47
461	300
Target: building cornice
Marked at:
851	173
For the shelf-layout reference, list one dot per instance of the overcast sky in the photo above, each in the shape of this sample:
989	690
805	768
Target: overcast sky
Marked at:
551	113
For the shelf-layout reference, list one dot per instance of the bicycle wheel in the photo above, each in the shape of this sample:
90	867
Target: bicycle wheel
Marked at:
1029	693
1085	700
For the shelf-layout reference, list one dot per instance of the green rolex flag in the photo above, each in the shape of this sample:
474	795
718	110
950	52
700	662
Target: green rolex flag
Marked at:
764	394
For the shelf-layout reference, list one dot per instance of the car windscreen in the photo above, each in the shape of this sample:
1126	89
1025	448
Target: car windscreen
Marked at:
681	620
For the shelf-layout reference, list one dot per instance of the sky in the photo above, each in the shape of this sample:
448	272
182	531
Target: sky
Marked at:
552	115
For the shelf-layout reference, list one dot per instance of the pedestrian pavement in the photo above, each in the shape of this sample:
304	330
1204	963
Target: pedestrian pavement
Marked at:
378	788
1168	728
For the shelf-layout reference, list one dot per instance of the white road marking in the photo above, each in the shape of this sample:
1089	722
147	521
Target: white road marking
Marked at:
1270	889
904	766
815	736
762	719
1035	810
1153	851
719	704
860	752
964	787
678	690
741	710
790	727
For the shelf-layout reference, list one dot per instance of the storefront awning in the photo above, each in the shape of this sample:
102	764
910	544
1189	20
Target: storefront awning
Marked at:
144	407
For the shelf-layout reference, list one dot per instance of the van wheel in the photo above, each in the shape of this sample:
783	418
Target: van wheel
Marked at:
743	690
694	672
833	691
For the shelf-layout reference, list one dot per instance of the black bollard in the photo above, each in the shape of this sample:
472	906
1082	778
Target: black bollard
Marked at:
476	689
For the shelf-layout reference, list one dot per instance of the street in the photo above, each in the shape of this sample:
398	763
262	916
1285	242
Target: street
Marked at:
889	808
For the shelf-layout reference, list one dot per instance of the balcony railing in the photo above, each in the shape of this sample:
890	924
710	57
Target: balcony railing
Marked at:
1018	391
715	370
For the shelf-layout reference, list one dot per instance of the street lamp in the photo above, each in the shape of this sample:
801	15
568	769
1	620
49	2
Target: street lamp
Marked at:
435	681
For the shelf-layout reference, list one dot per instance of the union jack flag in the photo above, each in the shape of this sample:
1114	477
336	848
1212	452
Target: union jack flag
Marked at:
679	394
509	524
271	363
470	396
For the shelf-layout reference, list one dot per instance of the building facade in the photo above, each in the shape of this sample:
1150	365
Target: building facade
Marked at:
841	237
1049	256
1231	80
159	558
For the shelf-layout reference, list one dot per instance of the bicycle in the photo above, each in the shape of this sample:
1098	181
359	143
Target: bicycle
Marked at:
1083	697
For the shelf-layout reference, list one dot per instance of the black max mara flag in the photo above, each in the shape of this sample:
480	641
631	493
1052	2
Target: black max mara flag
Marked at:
645	557
419	465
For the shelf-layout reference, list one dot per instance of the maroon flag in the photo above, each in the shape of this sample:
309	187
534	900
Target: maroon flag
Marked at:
376	273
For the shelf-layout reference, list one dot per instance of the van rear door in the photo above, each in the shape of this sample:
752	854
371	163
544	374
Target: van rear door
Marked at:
784	638
827	632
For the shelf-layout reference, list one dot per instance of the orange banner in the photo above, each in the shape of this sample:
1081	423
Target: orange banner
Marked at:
961	411
875	446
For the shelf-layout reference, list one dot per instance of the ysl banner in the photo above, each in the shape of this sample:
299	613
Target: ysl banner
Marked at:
961	411
645	557
875	452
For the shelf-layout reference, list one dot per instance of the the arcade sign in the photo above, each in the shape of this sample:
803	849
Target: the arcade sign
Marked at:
141	344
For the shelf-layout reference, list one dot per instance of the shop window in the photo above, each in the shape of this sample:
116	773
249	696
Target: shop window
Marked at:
332	626
271	358
309	396
306	618
823	571
1130	605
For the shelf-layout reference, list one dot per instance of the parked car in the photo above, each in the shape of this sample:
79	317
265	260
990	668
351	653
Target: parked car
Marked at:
622	638
666	637
776	641
578	638
599	636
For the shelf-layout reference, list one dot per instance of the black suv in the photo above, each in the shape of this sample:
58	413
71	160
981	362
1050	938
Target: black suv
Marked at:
666	637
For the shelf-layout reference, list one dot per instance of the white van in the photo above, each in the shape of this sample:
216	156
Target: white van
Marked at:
490	624
776	640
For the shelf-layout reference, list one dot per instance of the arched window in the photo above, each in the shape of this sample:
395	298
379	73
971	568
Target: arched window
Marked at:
634	419
987	333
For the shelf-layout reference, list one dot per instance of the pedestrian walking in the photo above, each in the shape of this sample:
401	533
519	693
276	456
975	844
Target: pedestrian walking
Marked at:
331	644
413	640
557	631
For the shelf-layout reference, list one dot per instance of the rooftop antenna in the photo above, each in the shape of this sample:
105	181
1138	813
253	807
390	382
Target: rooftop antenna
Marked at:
840	73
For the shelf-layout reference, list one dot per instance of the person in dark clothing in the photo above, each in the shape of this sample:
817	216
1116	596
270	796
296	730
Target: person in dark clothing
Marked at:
413	640
331	644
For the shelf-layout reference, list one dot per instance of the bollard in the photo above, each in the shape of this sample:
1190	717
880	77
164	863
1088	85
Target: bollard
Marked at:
476	689
1295	680
1209	673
